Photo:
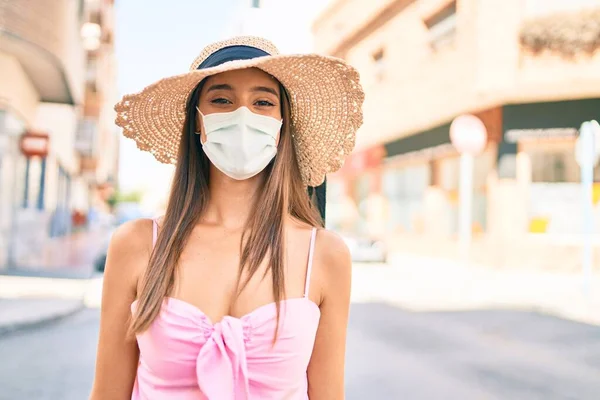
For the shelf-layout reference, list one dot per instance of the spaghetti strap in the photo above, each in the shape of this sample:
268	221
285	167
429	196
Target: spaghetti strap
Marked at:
311	253
154	231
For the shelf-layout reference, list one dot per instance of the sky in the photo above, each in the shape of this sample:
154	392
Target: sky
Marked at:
156	39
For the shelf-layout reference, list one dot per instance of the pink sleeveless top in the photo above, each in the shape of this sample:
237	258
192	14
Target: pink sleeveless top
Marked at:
185	356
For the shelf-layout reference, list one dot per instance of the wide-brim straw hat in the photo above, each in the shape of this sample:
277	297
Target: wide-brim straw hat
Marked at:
325	99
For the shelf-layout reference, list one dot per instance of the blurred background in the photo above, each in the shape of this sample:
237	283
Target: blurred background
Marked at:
470	203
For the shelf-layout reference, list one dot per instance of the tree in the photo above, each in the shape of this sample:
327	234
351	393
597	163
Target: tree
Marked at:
122	197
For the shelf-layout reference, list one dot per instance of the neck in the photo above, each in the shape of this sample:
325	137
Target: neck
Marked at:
230	201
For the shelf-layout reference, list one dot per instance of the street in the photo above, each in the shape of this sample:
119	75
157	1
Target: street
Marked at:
392	354
453	145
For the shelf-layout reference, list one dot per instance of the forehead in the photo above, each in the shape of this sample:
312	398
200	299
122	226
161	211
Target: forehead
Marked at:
243	77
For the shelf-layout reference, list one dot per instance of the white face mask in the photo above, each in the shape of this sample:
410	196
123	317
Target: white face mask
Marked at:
240	143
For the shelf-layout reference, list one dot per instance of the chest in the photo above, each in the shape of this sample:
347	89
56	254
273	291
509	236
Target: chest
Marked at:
208	274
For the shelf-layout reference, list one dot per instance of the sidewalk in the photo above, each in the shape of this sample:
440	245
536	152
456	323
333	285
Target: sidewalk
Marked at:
17	314
411	282
53	279
26	302
429	284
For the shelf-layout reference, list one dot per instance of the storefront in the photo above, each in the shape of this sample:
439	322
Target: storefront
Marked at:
12	165
544	135
420	180
546	132
352	194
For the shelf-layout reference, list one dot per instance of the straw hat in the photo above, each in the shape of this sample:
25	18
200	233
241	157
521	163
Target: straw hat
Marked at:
325	99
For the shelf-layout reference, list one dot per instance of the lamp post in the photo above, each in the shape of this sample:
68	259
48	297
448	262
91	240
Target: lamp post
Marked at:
586	154
469	136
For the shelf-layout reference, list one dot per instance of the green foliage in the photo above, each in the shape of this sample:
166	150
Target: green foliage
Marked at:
121	197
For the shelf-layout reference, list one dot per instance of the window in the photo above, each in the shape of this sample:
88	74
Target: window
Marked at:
85	139
442	26
555	166
80	10
404	187
379	64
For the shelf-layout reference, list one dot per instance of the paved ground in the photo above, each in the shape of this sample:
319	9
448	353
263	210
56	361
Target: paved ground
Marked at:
392	354
26	313
54	362
470	355
429	284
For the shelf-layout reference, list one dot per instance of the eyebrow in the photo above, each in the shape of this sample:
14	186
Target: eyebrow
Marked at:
222	86
225	86
264	89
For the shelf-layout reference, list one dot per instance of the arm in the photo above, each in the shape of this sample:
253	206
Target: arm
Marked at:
117	357
326	368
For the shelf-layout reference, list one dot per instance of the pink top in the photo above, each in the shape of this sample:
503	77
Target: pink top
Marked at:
185	356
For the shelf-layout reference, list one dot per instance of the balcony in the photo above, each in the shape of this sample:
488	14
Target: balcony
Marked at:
566	34
41	35
86	138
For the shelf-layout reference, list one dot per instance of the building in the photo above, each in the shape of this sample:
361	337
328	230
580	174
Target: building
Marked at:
55	148
273	20
424	62
97	140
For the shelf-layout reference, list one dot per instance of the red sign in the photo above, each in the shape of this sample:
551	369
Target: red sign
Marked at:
35	144
363	160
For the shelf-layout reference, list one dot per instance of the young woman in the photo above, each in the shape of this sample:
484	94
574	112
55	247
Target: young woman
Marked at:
237	292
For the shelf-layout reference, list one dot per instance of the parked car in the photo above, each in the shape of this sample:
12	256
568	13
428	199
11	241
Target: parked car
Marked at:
124	212
364	249
100	261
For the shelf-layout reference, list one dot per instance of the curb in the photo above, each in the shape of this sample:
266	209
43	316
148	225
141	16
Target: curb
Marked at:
7	329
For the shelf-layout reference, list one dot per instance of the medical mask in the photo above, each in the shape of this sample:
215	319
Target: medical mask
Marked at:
240	143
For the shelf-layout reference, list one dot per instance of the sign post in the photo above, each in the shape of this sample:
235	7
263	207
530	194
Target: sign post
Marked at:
35	144
469	136
586	155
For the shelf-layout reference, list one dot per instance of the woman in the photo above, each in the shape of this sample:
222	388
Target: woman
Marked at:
237	292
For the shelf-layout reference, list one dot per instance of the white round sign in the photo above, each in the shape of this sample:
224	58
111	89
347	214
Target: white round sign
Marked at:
468	134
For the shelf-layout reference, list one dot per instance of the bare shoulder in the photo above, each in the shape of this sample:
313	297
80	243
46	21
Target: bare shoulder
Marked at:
332	249
333	260
129	249
133	236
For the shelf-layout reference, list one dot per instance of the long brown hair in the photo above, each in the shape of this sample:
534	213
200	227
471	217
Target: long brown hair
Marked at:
283	193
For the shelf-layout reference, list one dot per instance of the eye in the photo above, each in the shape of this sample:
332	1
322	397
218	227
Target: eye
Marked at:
264	103
220	100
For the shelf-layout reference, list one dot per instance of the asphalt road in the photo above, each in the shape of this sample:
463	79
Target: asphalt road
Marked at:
392	354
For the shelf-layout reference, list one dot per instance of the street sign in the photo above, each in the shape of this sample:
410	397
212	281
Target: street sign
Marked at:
468	134
35	144
587	145
586	153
